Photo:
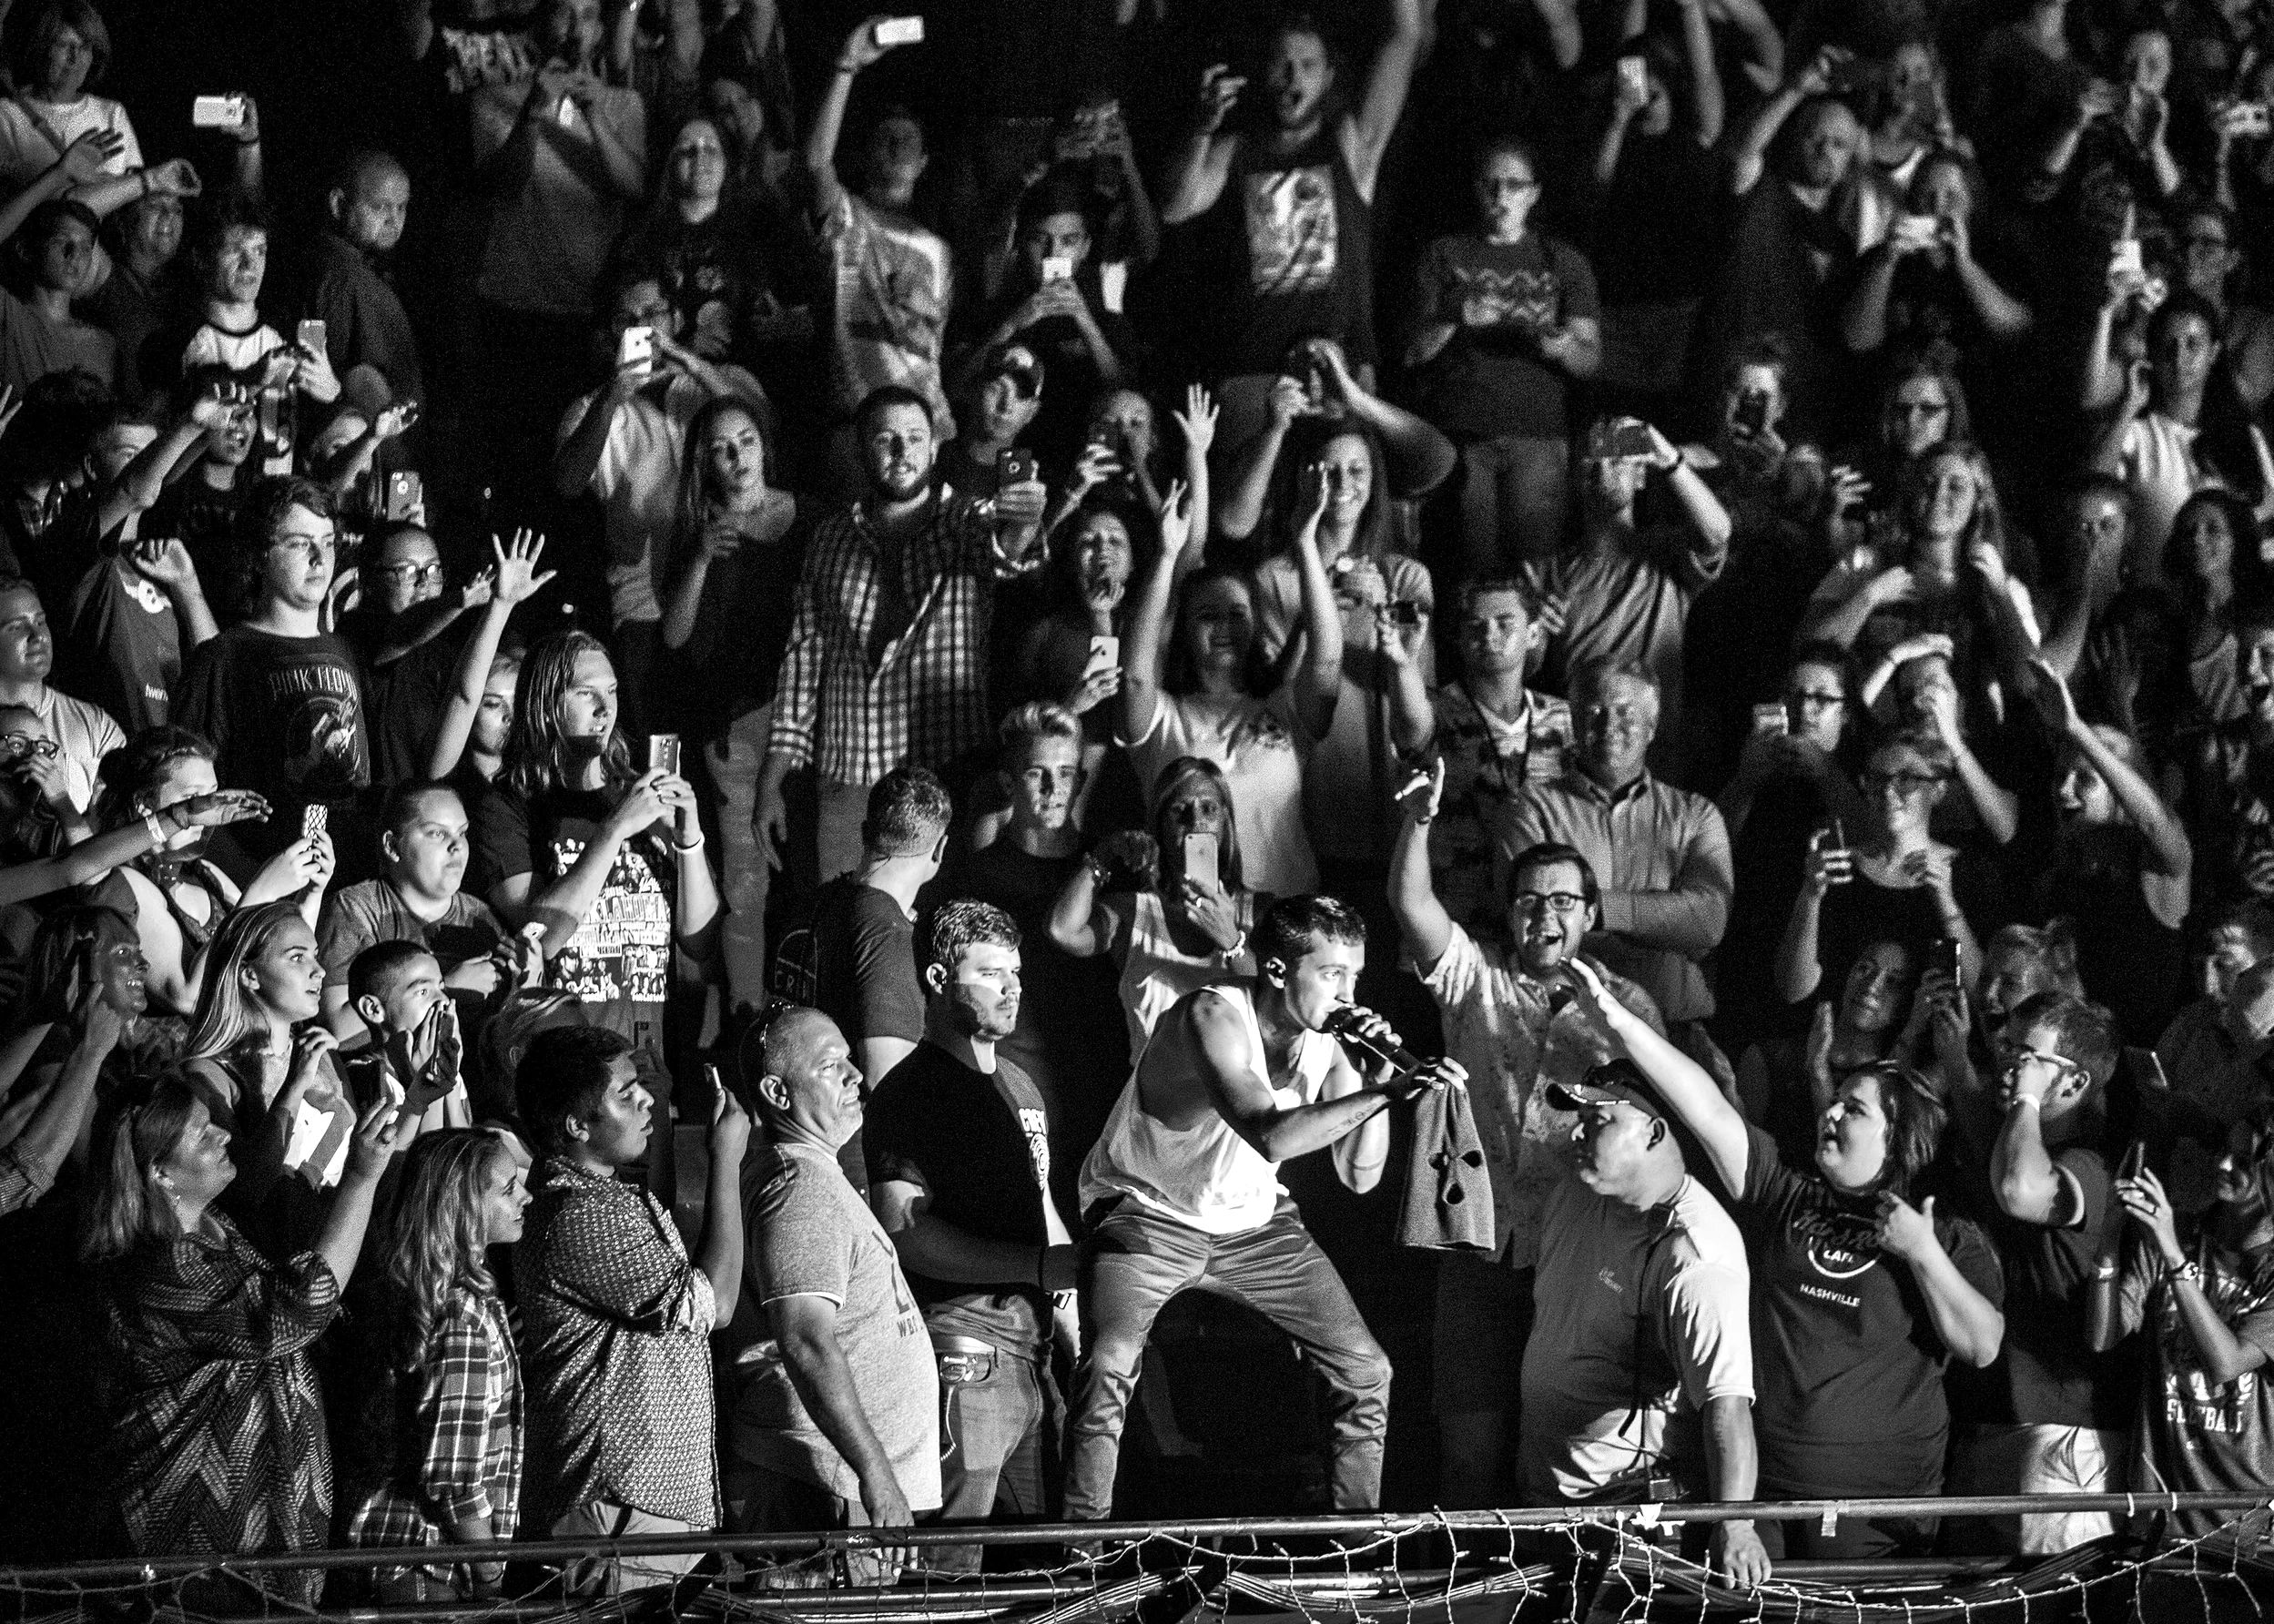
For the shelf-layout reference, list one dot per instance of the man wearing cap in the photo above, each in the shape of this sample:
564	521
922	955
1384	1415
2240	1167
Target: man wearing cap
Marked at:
1638	1381
1001	404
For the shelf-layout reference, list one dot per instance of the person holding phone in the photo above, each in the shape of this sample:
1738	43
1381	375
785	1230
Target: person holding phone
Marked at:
2197	1296
1170	905
1050	301
368	335
1504	320
575	837
85	997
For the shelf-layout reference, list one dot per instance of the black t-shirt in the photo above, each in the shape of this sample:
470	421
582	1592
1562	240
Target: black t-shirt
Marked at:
121	647
405	696
980	1147
206	521
286	717
1846	1361
864	961
1059	996
619	960
2047	1374
1856	914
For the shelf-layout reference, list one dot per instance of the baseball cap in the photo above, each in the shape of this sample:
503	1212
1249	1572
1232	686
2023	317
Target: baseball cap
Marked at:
1015	361
1613	1082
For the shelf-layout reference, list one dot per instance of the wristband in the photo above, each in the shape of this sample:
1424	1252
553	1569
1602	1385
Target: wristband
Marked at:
1098	870
1238	946
157	830
2189	1271
683	846
2031	1101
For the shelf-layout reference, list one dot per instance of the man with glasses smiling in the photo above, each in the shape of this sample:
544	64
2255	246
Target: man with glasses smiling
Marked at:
1510	1023
280	698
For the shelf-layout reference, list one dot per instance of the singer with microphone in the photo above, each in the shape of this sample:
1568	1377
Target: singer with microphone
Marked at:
1182	1190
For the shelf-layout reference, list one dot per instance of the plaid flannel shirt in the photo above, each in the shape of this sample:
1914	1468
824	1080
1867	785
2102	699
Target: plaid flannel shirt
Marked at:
460	1456
924	700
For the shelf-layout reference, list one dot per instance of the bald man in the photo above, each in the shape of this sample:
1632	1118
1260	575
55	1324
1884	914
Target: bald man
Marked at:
837	1423
367	333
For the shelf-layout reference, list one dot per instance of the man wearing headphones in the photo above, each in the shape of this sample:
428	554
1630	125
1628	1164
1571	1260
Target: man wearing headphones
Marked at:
1182	1188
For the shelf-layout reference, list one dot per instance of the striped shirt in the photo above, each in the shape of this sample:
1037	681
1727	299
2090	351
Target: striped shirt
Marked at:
857	698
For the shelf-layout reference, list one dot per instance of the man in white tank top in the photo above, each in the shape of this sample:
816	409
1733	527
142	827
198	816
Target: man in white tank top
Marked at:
1182	1190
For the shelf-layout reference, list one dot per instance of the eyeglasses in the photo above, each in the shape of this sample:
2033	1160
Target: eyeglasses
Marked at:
1905	784
1808	700
16	747
1562	902
412	572
2023	1057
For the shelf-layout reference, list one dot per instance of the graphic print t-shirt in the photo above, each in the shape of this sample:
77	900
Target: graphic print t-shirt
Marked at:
1489	379
620	958
286	715
1849	1364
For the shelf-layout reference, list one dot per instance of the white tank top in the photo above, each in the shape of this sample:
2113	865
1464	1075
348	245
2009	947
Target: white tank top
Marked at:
1156	972
1206	1177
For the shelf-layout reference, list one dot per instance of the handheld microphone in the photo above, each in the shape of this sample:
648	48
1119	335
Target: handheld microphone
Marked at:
1339	1026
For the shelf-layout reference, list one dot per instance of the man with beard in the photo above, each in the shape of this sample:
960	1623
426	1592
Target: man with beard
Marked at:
1183	1191
837	1424
1288	206
958	1146
278	695
887	663
1510	1021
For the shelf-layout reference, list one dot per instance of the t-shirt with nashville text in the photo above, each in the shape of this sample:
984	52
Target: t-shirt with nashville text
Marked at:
1849	1365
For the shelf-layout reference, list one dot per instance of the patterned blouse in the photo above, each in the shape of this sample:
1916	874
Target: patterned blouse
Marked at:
221	1436
618	1353
456	1441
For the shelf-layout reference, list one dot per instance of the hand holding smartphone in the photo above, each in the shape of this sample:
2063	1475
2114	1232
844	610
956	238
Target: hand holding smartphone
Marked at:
900	31
1201	857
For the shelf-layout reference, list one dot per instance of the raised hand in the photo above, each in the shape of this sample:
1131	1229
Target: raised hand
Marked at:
1198	419
1220	90
1422	792
1176	522
222	807
1904	1231
395	421
2148	1205
165	560
516	567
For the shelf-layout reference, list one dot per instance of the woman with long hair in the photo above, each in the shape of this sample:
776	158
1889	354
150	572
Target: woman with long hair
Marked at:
1217	703
1943	568
2203	1294
699	238
573	833
727	622
1859	1297
258	1049
1785	1082
2210	563
1171	930
2178	425
441	1435
220	1434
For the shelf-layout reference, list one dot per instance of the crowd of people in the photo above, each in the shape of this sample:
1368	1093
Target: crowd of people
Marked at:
585	766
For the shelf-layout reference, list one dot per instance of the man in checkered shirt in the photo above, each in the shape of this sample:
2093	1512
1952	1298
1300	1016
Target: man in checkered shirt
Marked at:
887	663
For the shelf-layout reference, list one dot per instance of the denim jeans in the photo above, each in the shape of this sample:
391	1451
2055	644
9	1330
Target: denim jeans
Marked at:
1134	1262
994	1410
1515	499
